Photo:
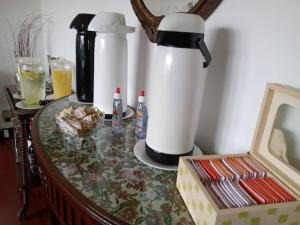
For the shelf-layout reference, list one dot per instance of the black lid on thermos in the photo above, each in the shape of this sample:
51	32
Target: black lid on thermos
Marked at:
85	42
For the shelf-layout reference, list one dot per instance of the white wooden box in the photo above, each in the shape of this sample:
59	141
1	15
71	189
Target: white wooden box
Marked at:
202	205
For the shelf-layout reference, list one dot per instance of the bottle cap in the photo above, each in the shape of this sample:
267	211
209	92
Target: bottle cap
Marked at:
142	96
117	93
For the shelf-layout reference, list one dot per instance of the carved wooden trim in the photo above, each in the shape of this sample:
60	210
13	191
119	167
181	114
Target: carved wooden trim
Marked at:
147	19
204	8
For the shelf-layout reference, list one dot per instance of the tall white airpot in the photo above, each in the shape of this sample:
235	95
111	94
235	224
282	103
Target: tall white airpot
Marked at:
110	62
175	87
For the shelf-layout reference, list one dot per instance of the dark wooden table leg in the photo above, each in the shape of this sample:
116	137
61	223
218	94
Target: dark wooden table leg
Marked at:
23	148
54	220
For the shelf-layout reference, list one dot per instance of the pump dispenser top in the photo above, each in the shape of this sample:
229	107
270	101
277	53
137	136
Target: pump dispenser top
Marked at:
82	21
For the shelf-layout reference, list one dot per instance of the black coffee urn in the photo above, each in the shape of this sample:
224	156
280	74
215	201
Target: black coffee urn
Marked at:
85	42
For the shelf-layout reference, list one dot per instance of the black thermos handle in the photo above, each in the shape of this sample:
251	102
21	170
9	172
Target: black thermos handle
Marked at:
204	50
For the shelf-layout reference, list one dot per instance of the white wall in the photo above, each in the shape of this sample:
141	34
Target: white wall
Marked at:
13	12
252	43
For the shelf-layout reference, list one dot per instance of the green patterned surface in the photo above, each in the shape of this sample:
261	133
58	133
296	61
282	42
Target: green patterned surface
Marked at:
106	171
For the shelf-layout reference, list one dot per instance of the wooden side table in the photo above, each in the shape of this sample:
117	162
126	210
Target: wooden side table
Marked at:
26	179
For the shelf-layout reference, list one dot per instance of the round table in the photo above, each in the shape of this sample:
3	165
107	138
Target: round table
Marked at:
102	182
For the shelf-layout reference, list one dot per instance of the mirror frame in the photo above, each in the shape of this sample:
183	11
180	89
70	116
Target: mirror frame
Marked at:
204	8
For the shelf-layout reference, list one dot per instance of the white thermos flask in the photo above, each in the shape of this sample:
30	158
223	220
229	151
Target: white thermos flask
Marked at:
110	61
174	87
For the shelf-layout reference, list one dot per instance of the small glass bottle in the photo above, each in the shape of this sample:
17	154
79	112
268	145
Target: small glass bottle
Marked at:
141	117
117	113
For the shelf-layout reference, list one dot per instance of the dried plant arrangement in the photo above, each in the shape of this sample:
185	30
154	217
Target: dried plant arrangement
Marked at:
26	36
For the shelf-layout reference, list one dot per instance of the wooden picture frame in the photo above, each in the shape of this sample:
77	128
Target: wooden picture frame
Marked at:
150	22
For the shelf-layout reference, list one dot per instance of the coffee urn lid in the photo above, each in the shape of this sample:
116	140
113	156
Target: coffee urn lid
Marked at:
183	30
110	22
81	21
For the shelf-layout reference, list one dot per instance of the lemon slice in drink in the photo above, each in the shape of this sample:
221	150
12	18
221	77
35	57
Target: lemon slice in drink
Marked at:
28	74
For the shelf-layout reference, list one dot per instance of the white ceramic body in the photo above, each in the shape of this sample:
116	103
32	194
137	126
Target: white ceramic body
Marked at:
174	99
110	70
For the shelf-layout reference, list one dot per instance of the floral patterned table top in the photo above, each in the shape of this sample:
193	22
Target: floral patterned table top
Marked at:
106	172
